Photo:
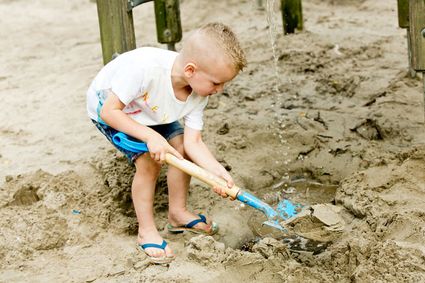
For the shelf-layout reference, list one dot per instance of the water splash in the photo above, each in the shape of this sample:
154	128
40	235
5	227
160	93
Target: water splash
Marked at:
272	30
279	121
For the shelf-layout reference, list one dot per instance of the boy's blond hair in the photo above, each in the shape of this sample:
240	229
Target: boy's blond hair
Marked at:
222	36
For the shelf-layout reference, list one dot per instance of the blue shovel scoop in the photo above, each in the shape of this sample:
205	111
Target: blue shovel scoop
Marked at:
285	208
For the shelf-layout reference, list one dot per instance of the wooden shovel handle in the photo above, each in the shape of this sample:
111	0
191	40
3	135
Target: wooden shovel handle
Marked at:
201	174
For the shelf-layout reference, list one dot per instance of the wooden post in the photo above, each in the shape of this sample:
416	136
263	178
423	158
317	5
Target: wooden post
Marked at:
403	22
116	28
423	81
417	36
417	33
403	13
260	5
168	24
292	15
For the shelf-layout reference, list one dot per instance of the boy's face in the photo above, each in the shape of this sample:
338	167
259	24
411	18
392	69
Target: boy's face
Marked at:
209	79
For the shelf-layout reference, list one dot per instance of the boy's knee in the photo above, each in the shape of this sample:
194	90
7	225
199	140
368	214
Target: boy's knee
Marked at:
180	149
147	168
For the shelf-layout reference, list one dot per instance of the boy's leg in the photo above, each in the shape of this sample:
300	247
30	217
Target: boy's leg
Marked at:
178	186
143	191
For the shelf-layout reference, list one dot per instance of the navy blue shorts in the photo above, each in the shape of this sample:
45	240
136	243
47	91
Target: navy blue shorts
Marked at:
168	131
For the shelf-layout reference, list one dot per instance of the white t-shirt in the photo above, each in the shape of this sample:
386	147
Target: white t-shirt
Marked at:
141	79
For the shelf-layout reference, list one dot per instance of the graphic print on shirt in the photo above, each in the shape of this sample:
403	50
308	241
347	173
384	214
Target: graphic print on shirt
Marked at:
154	108
164	118
145	98
132	109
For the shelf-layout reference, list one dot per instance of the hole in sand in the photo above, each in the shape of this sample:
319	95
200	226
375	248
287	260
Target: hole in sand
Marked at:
310	231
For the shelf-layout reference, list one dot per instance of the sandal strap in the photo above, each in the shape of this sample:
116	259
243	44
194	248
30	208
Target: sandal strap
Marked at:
158	246
196	221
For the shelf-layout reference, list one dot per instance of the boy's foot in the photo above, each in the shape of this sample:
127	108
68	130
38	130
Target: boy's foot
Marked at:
193	223
155	248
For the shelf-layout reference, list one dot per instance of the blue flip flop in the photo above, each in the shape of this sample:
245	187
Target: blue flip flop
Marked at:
190	227
159	260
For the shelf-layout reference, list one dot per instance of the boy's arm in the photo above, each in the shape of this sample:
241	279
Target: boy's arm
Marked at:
113	115
199	153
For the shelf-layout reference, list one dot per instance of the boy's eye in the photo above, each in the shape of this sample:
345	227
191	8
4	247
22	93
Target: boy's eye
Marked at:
216	84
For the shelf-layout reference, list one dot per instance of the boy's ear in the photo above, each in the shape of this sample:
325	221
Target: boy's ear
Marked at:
189	69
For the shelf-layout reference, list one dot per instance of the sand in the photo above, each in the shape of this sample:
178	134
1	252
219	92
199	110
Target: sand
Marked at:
333	104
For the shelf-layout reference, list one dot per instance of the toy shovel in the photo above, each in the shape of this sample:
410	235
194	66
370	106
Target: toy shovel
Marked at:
285	208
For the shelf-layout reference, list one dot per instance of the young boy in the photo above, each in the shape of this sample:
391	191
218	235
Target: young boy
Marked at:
143	93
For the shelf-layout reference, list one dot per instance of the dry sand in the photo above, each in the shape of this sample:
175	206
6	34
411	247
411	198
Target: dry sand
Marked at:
341	111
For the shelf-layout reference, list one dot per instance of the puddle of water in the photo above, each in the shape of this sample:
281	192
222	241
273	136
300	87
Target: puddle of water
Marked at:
307	192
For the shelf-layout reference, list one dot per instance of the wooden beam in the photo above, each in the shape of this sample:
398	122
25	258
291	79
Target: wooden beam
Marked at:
423	79
403	13
167	18
292	15
417	33
403	22
116	28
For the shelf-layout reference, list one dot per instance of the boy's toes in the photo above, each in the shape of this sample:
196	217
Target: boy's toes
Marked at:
199	225
169	252
158	253
155	252
203	227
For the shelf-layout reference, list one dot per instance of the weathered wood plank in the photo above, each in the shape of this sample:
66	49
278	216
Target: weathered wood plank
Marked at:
167	18
292	15
116	28
417	33
403	13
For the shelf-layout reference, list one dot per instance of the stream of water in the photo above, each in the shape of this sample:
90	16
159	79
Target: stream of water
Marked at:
279	121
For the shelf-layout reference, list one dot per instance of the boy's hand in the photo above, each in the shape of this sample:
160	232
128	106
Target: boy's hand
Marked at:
158	147
226	176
